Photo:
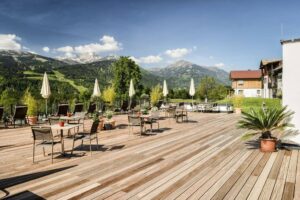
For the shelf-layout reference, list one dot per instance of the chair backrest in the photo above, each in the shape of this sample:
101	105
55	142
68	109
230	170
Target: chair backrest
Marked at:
42	133
134	120
80	114
20	112
94	128
155	114
1	112
172	111
78	107
53	120
63	109
92	108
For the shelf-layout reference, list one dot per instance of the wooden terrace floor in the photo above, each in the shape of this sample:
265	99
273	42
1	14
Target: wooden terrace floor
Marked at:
202	159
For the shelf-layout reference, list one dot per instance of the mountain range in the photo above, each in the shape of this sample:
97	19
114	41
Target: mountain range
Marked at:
16	66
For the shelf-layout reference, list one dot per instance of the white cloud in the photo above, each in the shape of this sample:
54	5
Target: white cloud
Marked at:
220	64
65	49
178	53
90	51
10	42
107	44
147	59
46	49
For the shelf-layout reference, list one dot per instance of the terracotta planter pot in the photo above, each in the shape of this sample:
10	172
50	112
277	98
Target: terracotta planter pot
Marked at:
32	120
238	110
61	124
268	145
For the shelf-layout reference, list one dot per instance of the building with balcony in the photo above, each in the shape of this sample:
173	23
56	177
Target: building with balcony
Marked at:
272	78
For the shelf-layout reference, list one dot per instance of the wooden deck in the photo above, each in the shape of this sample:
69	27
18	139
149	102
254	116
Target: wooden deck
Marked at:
202	159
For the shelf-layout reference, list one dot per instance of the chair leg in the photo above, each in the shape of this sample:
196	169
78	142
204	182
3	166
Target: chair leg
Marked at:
81	144
33	152
44	151
73	145
52	153
91	146
97	142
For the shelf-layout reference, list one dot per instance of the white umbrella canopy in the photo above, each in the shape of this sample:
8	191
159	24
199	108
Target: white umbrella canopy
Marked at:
165	89
45	91
192	90
131	92
131	89
96	91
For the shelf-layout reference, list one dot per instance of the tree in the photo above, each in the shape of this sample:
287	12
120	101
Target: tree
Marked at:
124	70
155	95
209	88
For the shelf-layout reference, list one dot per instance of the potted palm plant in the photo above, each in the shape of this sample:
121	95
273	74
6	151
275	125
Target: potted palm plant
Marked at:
263	121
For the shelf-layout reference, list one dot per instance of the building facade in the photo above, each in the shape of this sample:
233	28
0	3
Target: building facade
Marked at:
247	83
290	78
272	78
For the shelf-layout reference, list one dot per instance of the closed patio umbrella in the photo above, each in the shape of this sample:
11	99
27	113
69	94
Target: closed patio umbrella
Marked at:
131	92
96	91
165	89
45	91
192	90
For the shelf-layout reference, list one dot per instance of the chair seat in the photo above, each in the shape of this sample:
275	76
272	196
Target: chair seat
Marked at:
49	143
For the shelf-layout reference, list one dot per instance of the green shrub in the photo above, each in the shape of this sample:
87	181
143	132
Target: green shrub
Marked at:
30	101
155	95
109	95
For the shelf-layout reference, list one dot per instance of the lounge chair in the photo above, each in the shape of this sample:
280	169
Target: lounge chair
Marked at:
91	109
1	113
62	109
124	107
19	114
90	135
42	136
78	108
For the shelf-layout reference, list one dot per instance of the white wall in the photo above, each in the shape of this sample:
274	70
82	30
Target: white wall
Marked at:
249	92
291	79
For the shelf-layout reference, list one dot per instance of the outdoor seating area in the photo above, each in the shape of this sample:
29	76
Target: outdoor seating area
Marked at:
202	159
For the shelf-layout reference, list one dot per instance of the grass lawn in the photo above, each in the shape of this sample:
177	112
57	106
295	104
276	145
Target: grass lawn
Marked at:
255	102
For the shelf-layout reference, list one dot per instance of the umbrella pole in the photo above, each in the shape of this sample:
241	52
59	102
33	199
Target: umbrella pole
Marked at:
192	103
46	107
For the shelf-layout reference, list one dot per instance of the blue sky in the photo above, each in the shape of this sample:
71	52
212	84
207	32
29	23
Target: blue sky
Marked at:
228	34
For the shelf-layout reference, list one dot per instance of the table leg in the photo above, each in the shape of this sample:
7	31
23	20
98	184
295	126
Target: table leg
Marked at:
62	141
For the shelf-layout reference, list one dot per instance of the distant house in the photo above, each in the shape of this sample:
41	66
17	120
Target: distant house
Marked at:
247	83
272	78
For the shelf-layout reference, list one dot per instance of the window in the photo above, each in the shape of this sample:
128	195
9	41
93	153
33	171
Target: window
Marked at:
240	92
240	82
258	92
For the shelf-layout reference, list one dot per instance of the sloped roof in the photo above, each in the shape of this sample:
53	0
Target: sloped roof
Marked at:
265	62
246	74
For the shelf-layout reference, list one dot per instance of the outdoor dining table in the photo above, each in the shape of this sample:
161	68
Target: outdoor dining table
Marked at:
61	129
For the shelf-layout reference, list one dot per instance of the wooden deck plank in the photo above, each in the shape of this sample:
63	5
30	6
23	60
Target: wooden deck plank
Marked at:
204	159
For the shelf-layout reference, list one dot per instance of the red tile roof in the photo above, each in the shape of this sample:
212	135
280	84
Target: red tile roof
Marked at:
249	74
